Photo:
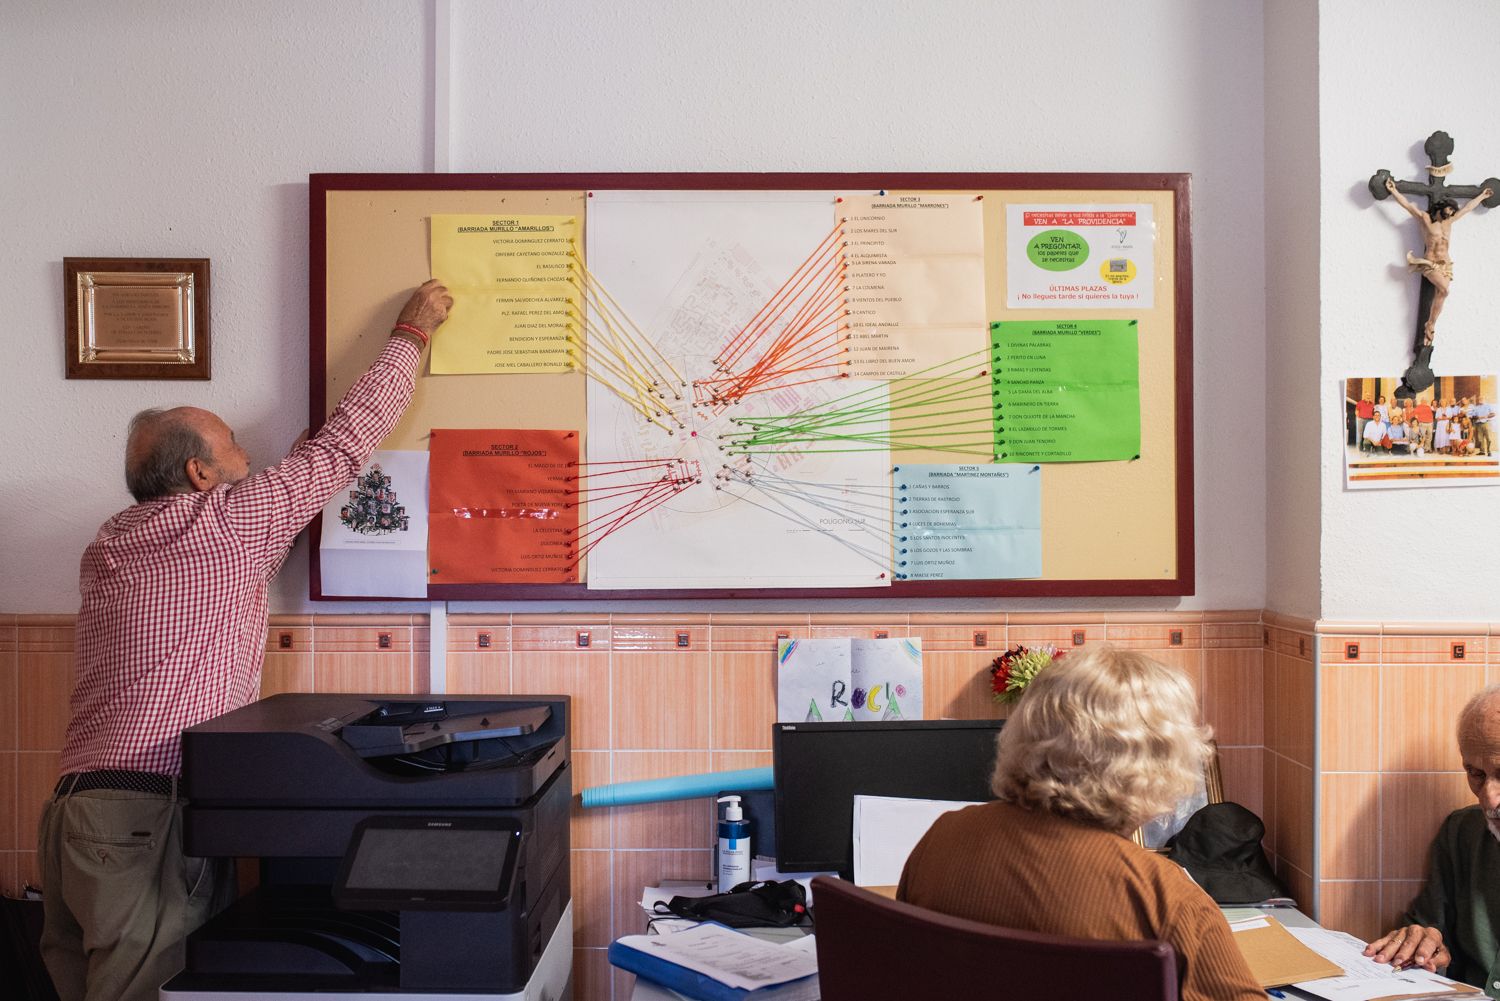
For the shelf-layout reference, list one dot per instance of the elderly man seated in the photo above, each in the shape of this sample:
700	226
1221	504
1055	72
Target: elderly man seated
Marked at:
1452	922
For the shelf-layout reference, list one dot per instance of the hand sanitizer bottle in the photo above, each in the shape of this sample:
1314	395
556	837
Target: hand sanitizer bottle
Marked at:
734	845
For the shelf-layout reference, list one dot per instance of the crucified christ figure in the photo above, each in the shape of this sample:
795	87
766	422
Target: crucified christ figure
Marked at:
1435	264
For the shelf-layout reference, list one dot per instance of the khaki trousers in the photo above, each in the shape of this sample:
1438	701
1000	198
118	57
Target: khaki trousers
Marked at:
119	896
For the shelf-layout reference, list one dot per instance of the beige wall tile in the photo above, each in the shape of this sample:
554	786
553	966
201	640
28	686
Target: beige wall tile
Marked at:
1413	807
377	635
44	633
686	823
733	761
1352	907
1337	649
1295	706
44	683
10	881
1270	707
961	633
1348	732
288	639
589	828
755	632
538	632
584	676
956	685
1233	634
1188	661
286	672
368	673
744	699
1294	829
478	634
1058	634
641	633
1268	797
1233	694
834	627
8	767
1396	896
661	700
1155	635
486	673
1351	825
1432	649
593	977
10	701
1298	882
1244	778
1419	707
36	777
592	923
635	869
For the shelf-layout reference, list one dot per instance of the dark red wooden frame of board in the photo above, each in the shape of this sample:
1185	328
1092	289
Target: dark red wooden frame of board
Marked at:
1180	584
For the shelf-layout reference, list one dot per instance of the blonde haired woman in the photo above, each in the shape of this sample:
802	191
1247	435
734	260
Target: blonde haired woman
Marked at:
1101	741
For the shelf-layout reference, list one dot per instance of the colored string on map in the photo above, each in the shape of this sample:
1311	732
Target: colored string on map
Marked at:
798	336
948	407
643	484
606	345
836	510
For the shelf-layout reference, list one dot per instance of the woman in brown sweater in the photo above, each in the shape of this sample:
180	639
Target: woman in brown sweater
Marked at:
1102	740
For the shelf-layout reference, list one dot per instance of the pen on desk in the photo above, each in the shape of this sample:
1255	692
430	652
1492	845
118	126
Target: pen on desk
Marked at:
1275	993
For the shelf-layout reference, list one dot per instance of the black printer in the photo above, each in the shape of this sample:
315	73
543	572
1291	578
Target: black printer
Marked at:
407	846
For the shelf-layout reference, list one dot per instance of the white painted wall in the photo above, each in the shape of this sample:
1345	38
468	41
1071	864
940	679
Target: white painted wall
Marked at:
189	129
1292	462
1389	76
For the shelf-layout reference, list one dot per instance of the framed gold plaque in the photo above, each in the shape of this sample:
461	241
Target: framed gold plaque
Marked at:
136	317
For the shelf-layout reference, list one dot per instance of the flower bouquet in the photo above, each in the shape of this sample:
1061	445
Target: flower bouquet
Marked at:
1016	668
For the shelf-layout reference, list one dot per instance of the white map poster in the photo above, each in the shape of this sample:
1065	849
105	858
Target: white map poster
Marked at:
689	276
1080	256
375	533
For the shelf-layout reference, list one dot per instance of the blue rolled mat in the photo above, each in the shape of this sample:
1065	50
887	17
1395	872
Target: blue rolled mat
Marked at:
677	787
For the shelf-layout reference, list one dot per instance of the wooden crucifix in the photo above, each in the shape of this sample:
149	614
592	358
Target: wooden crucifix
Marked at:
1436	263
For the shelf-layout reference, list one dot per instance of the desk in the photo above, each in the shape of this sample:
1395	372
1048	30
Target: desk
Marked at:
644	990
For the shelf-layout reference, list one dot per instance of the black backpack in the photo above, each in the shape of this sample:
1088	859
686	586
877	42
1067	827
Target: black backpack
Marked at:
763	904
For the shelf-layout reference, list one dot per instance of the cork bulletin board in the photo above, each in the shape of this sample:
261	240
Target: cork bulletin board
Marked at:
772	385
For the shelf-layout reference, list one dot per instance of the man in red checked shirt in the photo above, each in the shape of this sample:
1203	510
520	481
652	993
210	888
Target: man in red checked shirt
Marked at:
171	632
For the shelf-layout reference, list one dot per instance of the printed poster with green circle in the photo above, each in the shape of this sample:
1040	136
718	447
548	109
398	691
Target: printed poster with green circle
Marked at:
1080	256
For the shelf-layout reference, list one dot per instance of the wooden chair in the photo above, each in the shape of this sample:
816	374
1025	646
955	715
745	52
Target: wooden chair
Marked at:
874	949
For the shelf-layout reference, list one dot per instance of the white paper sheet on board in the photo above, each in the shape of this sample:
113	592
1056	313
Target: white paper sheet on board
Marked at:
885	678
812	680
691	269
374	541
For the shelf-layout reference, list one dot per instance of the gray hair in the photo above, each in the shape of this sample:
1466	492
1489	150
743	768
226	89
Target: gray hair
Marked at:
1107	736
1473	710
157	466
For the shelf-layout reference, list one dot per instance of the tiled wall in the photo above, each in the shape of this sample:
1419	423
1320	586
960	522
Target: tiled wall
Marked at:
647	706
1288	684
1390	771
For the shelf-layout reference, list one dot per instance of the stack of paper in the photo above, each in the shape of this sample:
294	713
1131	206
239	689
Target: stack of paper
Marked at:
1364	979
714	963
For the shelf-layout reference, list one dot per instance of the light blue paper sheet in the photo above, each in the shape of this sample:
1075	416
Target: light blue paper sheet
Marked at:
961	522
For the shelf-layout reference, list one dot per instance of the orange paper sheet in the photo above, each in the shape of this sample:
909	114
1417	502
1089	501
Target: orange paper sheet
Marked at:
503	507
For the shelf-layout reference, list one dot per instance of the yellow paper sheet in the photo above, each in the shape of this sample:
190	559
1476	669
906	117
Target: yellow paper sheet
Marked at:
915	281
513	303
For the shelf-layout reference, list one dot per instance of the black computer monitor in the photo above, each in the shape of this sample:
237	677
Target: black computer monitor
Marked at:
821	767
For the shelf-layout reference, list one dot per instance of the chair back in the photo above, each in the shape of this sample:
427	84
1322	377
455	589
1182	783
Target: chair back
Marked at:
874	949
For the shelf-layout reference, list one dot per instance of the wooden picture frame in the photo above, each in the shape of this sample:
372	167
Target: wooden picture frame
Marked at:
136	318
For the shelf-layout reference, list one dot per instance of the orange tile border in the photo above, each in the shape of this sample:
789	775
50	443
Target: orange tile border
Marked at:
1325	627
663	636
665	619
1295	623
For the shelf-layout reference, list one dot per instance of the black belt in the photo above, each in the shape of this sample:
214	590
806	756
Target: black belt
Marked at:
160	785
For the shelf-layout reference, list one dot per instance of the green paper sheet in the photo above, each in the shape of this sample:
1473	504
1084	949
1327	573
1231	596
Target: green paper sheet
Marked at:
1066	390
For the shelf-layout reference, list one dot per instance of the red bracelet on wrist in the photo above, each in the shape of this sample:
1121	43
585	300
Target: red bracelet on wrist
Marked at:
413	330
